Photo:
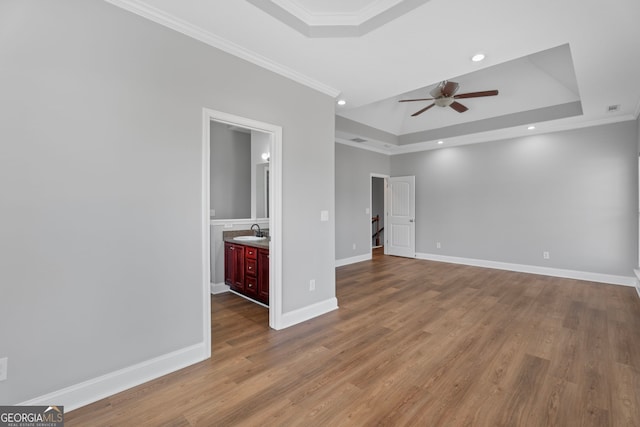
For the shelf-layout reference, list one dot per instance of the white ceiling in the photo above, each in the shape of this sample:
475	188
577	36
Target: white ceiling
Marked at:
430	42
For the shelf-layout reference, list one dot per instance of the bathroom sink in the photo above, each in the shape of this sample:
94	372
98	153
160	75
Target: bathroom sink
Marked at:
248	238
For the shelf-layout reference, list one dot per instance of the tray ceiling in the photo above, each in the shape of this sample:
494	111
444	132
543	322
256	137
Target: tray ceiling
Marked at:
336	18
430	42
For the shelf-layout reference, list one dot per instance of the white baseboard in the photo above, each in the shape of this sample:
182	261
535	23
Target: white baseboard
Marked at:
303	314
219	288
534	269
92	390
248	299
353	260
637	284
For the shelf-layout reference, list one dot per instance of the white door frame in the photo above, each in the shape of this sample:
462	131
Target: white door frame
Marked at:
275	215
385	177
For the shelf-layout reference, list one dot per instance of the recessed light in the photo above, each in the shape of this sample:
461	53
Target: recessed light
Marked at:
341	102
531	127
440	142
478	57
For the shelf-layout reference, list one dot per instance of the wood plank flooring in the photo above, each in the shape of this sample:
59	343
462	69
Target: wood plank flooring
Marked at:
414	343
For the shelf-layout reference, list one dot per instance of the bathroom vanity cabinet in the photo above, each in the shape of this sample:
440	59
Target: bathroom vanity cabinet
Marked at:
246	270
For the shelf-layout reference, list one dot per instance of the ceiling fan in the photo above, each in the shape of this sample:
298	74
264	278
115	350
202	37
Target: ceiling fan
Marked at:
444	95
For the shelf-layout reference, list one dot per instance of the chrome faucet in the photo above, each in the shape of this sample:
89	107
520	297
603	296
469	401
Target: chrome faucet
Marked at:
259	233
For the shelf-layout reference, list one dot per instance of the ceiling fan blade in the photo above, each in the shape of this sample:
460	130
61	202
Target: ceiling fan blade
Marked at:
458	107
476	94
449	88
411	100
436	92
422	111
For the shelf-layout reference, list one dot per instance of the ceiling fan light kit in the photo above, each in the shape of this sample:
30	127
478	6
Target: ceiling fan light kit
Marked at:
444	95
443	102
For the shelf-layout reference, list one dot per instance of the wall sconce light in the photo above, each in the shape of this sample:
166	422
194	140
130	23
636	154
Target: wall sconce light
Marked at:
266	156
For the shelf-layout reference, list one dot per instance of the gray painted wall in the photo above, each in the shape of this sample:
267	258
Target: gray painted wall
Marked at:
574	194
353	179
230	172
100	176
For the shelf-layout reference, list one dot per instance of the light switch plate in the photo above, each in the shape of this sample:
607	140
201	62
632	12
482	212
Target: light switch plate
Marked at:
324	215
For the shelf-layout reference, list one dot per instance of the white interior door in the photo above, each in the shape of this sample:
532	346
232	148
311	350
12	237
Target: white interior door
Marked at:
401	226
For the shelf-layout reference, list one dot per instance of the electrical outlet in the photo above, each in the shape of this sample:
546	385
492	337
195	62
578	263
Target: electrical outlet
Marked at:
3	368
545	254
438	245
312	284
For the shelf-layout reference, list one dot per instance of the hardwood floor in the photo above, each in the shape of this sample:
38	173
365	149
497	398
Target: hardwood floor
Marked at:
414	343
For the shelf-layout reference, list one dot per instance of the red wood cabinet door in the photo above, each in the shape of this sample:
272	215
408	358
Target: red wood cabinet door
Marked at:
228	264
263	276
239	267
234	266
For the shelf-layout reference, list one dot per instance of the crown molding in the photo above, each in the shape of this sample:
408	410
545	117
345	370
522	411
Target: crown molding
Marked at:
489	136
509	133
156	15
362	146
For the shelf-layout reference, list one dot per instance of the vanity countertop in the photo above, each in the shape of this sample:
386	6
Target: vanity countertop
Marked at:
261	244
229	237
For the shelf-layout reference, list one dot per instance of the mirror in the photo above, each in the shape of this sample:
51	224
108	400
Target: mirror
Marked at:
239	172
262	190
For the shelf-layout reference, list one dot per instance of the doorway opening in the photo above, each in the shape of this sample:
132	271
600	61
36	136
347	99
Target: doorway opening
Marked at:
377	211
268	206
